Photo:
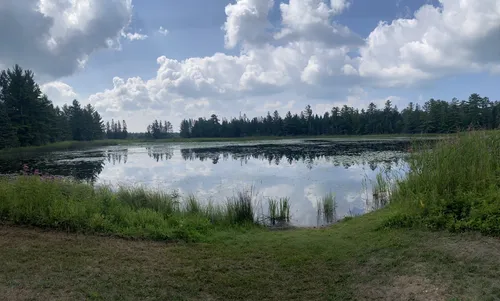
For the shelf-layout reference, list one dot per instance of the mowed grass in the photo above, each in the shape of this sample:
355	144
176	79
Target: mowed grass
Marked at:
353	260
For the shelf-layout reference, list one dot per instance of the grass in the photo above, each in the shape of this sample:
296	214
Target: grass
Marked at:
240	208
62	146
454	186
381	191
384	255
327	209
279	211
128	212
354	260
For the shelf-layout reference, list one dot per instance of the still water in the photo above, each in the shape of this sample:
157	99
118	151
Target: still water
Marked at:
303	170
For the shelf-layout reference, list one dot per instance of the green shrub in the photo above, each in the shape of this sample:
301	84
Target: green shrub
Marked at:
455	185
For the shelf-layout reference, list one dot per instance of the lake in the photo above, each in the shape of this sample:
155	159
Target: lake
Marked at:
304	170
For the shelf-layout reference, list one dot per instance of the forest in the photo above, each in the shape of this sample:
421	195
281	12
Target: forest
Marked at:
29	118
435	116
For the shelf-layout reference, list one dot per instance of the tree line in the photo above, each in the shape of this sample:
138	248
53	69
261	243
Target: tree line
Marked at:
29	118
159	130
435	116
116	130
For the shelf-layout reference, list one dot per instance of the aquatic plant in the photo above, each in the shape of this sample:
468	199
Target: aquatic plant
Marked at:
279	211
381	192
240	209
327	209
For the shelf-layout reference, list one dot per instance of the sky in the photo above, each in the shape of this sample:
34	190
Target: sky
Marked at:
170	59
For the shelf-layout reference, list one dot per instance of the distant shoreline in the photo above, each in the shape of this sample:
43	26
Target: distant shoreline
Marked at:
75	145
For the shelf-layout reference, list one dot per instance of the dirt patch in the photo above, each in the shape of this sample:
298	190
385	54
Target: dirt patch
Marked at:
473	248
405	288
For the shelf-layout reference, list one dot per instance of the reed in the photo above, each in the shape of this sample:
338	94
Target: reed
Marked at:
327	209
279	211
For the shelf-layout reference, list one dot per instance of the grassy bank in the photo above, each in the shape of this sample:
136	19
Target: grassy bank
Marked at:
75	145
456	186
78	207
257	138
64	145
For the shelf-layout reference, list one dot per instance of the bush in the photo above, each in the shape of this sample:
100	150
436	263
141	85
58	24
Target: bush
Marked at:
455	185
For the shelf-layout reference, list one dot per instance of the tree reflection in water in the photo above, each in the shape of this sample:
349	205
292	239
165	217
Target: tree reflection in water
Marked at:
67	164
160	153
345	154
116	156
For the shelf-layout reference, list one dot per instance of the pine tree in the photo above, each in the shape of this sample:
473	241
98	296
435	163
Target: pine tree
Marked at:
124	130
8	137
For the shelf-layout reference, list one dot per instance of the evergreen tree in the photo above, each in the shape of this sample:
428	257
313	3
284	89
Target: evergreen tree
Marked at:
8	137
435	116
124	130
33	119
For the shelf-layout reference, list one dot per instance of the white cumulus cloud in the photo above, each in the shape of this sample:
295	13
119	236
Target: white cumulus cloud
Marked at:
247	21
59	92
55	37
313	20
311	55
459	36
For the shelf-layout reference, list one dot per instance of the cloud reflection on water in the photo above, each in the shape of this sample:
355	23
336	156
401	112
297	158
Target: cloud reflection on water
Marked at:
303	172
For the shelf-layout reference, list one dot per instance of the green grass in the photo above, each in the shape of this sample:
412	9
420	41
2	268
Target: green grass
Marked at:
385	255
381	191
128	212
327	209
354	260
279	211
454	186
64	145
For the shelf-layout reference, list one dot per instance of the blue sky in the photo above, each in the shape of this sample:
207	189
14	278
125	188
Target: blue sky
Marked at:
272	54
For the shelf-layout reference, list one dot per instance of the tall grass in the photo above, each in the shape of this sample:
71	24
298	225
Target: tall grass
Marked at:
381	191
327	209
279	211
139	198
240	207
456	185
132	212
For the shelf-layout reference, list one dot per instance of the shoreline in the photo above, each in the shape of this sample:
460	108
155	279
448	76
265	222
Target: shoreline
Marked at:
77	145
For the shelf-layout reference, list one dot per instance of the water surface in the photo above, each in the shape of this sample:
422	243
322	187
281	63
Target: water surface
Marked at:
303	170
